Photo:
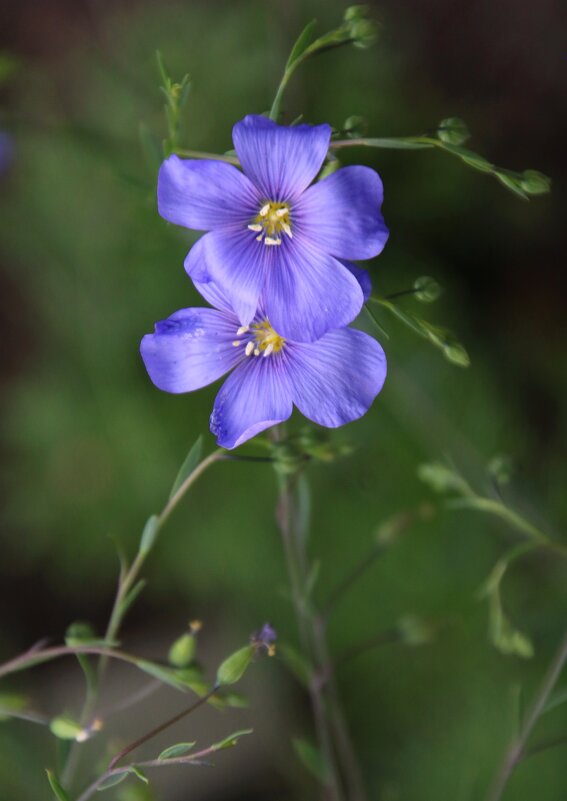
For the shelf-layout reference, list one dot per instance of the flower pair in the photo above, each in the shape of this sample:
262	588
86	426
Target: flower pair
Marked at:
273	263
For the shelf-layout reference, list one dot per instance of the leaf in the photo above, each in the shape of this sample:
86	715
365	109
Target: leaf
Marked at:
132	595
138	774
113	779
164	674
149	534
58	791
234	666
512	184
11	703
302	43
398	143
311	759
177	750
192	460
231	740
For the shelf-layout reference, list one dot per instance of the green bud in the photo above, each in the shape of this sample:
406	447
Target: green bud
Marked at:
501	469
455	353
355	127
354	13
364	32
535	183
182	652
439	477
453	131
234	666
427	289
287	459
78	634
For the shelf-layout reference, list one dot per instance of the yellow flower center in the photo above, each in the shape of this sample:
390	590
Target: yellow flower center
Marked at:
272	219
263	342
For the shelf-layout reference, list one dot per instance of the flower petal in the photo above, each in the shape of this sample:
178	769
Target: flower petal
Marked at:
281	160
191	349
341	214
336	379
254	397
308	292
204	194
233	260
214	295
362	276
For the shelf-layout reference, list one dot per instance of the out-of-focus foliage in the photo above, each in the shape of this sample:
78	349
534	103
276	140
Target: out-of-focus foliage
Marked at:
93	447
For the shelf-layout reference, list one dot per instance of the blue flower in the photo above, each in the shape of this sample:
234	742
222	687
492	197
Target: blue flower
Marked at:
273	236
332	381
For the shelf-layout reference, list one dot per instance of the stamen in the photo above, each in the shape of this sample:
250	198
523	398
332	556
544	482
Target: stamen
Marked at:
255	227
243	330
249	348
256	352
281	212
269	349
264	210
259	237
287	230
271	241
237	342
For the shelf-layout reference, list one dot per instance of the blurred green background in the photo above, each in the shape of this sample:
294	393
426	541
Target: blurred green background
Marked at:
90	447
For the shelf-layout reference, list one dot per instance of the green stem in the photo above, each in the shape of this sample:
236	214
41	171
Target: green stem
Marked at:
119	609
516	751
199	154
287	519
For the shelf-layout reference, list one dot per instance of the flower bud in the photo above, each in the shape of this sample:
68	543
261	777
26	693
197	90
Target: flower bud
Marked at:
535	183
355	126
361	30
453	131
500	468
427	290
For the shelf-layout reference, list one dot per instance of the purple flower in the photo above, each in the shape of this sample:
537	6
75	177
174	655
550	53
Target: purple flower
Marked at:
271	234
331	381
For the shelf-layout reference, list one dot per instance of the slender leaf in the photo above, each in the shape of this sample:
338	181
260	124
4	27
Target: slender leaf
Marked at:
192	460
302	43
311	759
58	791
231	740
177	750
113	779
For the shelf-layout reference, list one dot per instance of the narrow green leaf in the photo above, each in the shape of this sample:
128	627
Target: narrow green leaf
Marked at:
149	534
469	157
58	791
11	703
132	595
113	779
138	774
302	43
177	750
234	666
192	460
398	143
311	759
231	740
512	184
164	674
162	69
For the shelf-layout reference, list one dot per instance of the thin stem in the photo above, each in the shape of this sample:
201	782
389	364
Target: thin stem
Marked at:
192	759
125	586
287	517
26	659
516	751
199	154
162	727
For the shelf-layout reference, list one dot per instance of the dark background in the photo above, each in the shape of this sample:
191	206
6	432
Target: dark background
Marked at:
90	447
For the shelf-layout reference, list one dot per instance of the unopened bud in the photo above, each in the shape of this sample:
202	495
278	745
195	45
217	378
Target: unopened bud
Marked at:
535	183
453	131
427	290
